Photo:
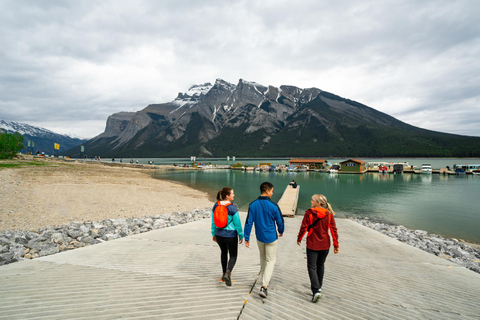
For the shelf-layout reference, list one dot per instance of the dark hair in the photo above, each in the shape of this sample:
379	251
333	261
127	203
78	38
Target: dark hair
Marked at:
266	186
222	194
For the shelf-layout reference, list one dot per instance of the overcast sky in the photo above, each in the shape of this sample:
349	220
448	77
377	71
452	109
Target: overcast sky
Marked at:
68	65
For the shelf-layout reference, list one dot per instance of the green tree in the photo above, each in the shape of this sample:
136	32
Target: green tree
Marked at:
10	144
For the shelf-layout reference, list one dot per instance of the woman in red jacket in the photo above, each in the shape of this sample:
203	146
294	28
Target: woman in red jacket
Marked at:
318	220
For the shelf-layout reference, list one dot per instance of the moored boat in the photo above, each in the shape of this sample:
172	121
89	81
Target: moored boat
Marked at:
426	168
334	169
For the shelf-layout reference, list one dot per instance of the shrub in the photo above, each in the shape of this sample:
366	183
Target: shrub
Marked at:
10	144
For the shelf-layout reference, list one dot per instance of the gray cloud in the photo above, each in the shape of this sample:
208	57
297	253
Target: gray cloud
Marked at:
68	65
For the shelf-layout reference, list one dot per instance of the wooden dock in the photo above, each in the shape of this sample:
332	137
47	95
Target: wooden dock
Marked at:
289	200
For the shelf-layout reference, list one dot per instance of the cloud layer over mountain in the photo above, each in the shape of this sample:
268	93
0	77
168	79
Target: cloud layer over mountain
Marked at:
68	65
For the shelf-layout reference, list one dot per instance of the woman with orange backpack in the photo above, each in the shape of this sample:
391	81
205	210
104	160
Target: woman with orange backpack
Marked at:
317	221
226	229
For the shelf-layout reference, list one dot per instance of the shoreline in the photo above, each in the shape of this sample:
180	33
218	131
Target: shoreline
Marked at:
457	251
49	192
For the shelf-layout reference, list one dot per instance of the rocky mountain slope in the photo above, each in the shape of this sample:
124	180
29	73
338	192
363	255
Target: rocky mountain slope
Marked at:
252	120
43	139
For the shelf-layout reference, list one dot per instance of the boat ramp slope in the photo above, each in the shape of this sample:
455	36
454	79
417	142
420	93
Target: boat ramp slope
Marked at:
173	273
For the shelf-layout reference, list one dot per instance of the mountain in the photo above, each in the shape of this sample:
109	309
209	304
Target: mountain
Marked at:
42	139
252	120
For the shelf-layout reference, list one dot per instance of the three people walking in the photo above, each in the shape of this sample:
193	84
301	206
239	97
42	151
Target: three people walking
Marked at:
267	218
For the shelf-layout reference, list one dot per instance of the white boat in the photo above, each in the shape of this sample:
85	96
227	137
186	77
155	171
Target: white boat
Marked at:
426	168
302	169
334	168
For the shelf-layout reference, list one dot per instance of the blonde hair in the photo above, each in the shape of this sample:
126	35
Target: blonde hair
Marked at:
321	200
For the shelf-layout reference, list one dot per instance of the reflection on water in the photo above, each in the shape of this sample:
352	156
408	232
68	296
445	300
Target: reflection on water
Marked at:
447	205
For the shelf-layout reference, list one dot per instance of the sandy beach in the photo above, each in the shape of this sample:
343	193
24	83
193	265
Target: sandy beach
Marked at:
33	197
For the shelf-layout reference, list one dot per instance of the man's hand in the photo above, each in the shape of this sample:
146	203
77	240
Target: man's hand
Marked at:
280	235
299	242
240	241
247	244
335	250
214	239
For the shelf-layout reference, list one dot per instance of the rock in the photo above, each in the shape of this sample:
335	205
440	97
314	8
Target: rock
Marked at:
60	238
4	241
79	244
74	233
48	249
6	257
89	240
94	233
120	223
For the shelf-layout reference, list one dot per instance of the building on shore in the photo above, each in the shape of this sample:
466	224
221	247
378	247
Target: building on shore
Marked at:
312	164
353	166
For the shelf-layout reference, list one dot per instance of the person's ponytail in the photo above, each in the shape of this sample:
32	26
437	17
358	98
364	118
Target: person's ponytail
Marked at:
321	200
222	194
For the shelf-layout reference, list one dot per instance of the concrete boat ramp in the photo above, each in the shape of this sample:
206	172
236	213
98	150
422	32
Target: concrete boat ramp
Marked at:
173	273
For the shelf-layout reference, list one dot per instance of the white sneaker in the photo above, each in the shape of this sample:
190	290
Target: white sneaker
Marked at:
316	297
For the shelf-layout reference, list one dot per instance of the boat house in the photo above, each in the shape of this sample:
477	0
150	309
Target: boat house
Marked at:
353	166
310	163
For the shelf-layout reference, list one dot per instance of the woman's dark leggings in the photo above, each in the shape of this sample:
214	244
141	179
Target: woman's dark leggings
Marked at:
228	245
316	268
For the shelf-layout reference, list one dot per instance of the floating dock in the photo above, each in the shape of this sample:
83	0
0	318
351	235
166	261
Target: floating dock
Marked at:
289	201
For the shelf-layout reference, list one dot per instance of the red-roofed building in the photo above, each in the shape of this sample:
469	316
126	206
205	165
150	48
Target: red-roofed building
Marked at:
310	163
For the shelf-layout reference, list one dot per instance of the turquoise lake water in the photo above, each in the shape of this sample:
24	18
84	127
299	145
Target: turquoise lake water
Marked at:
445	205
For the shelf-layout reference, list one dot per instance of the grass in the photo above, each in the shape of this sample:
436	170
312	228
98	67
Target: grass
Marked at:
6	164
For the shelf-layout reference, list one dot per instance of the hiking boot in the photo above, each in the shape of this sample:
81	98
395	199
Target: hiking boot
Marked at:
227	280
316	297
263	292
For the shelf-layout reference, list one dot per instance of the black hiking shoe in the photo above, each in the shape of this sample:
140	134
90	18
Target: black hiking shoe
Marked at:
263	292
316	296
227	280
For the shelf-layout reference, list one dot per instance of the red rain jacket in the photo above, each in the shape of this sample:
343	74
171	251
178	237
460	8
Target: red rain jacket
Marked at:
318	238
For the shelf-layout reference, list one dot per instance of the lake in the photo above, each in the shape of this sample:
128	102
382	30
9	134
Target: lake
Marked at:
447	205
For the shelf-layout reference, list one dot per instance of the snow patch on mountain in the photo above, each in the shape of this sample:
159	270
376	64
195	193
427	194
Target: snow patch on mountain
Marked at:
23	128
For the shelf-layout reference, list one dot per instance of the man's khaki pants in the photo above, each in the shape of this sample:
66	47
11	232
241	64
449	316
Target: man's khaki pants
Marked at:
268	256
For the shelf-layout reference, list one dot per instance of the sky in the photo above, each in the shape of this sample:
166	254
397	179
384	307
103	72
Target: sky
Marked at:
67	65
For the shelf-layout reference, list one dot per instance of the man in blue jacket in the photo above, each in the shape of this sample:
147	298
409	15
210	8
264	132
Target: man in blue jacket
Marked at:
265	213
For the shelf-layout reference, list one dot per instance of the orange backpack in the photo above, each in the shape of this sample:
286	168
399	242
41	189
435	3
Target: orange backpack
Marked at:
220	215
